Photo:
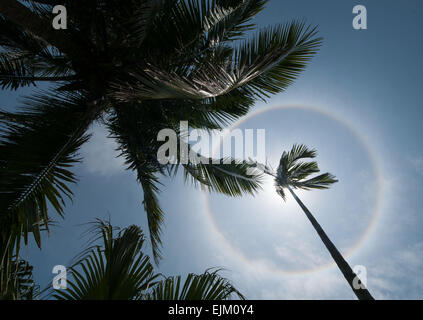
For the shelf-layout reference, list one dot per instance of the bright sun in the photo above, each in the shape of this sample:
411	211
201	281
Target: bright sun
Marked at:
275	201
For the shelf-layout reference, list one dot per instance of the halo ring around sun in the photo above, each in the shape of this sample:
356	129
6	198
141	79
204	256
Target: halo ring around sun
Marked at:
375	211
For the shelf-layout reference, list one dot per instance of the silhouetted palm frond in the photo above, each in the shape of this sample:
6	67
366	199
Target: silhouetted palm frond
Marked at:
142	65
206	286
16	282
291	172
136	130
265	64
117	269
36	152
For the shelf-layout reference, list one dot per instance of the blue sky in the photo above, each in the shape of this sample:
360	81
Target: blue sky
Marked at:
358	103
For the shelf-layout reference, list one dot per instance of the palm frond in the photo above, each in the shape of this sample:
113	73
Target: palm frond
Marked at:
206	286
265	64
13	71
16	281
115	270
153	211
280	191
25	59
227	176
141	20
270	62
298	152
322	181
138	143
238	22
302	170
292	172
36	152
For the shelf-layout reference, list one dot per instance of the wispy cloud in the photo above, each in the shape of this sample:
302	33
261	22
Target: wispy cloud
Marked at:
417	163
399	276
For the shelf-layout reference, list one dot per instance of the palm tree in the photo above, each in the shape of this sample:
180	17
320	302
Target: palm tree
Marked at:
118	270
291	174
135	66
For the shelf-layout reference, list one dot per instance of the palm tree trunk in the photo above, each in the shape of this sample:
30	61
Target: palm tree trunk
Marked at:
362	294
22	16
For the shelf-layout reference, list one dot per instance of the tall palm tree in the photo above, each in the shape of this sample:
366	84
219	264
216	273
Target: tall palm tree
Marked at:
117	269
292	173
136	66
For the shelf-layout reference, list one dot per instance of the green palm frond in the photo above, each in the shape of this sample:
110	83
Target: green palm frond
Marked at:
280	191
141	19
207	114
302	170
143	65
238	22
13	37
292	172
36	152
271	61
28	59
265	64
138	143
137	139
20	69
13	71
192	27
154	212
207	286
227	176
16	282
298	152
115	270
322	181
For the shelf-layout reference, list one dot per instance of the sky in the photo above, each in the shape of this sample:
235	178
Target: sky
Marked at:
358	103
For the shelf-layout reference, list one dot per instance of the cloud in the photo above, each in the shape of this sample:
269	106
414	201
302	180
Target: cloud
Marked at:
417	163
398	275
257	282
262	278
330	285
100	155
394	273
395	276
304	255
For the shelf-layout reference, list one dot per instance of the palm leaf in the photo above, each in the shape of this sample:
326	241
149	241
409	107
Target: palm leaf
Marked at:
138	144
227	176
265	64
36	151
153	211
292	172
207	286
322	181
28	59
115	270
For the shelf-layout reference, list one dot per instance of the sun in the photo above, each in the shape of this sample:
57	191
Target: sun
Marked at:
270	195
